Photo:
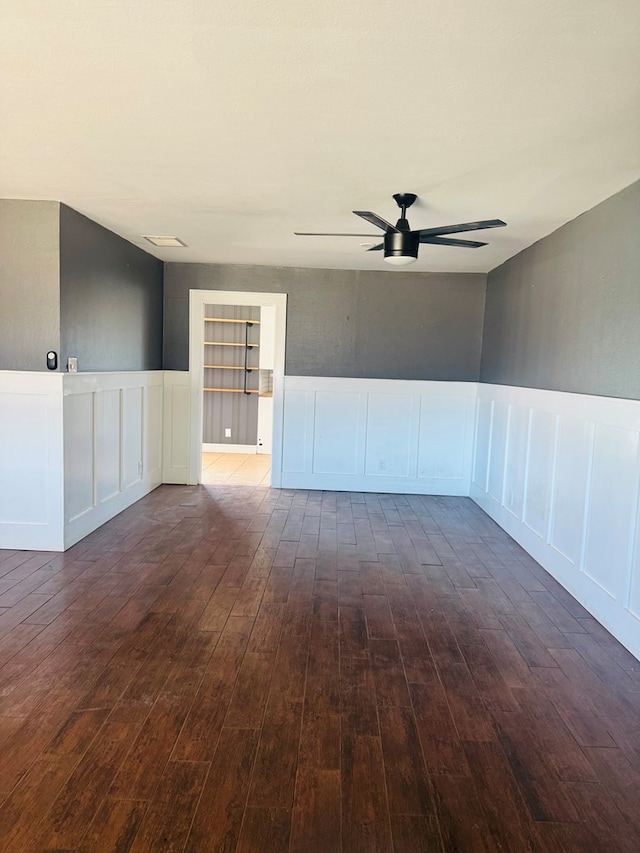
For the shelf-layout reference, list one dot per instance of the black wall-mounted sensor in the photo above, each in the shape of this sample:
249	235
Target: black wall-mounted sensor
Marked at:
52	360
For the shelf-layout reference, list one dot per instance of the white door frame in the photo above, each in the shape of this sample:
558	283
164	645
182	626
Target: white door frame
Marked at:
197	300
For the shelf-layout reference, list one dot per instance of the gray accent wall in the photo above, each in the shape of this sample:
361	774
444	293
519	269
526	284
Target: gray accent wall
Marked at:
110	299
565	313
29	283
388	325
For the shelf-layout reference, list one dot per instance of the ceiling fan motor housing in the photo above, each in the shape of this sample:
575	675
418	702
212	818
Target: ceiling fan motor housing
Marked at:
401	244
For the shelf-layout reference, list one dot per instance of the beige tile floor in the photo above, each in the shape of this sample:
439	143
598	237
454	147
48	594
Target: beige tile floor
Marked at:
238	469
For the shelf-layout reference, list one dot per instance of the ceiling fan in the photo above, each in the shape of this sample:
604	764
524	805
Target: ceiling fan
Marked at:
400	243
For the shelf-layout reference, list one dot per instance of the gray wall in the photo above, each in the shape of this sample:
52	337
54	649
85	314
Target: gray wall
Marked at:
29	283
110	299
565	313
395	325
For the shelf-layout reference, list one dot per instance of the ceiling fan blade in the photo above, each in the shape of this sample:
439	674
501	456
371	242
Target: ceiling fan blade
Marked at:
377	248
374	219
465	226
331	234
447	241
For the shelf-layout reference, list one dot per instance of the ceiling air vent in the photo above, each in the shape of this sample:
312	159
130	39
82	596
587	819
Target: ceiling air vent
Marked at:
164	242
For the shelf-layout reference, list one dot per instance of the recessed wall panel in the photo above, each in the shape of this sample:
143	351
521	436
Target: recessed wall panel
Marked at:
178	421
391	431
495	478
539	471
107	444
132	436
483	436
571	474
153	428
336	437
295	431
516	459
612	507
443	431
78	455
634	589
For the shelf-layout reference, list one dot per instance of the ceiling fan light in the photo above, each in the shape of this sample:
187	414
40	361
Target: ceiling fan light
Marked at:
400	248
400	260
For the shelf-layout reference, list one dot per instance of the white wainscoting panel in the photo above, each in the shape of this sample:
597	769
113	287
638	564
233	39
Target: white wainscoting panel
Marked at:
378	435
112	432
337	436
570	479
131	447
611	520
152	427
497	429
31	453
297	451
539	467
482	447
391	434
177	427
570	465
443	437
634	586
516	458
108	444
79	443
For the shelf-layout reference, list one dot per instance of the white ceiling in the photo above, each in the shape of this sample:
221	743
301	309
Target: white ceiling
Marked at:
232	125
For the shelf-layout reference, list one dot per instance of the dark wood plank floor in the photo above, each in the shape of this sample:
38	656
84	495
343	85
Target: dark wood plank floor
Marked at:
248	669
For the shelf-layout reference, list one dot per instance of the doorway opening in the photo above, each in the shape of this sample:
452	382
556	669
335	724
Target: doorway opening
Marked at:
236	469
236	363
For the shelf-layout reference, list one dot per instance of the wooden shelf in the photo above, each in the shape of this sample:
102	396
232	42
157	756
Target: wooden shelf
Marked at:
226	367
245	345
225	320
223	344
233	390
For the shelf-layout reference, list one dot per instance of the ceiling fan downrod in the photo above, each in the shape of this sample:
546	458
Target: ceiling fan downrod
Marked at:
404	200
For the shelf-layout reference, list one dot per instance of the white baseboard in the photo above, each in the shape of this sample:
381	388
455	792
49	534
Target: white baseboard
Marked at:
383	485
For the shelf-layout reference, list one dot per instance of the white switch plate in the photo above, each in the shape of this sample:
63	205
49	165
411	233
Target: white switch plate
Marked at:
72	365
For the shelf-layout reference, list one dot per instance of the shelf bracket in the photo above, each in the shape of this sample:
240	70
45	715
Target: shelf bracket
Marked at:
247	347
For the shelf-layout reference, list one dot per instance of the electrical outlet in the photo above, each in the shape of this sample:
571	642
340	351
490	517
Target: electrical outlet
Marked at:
382	464
227	432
